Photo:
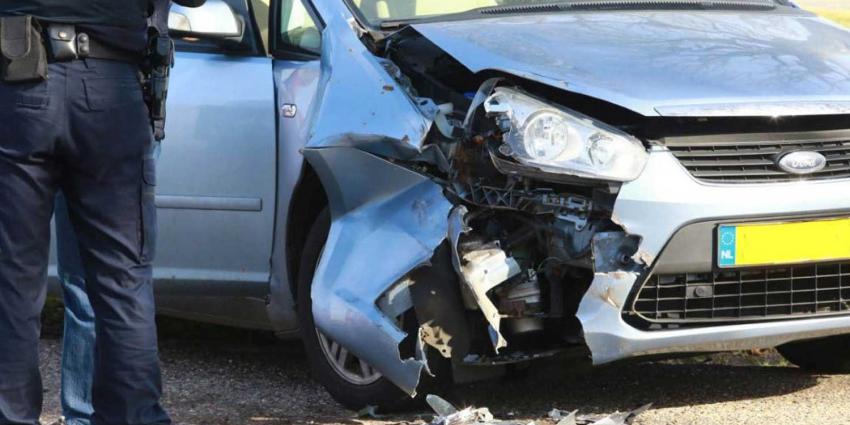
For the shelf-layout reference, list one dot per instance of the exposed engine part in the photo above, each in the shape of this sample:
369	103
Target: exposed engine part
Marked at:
522	304
524	325
521	299
536	201
571	241
614	251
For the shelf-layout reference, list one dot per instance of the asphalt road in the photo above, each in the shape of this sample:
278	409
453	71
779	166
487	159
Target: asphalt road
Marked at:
221	376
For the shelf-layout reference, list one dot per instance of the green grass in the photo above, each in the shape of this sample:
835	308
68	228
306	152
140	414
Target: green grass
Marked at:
840	16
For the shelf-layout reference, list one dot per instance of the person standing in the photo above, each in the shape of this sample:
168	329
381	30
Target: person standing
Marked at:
84	130
79	325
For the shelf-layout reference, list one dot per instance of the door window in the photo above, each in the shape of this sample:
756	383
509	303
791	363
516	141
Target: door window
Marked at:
298	28
261	8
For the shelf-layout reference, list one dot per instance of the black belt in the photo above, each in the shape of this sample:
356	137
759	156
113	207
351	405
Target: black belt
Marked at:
66	44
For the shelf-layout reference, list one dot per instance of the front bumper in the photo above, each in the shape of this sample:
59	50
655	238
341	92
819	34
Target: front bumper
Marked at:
666	198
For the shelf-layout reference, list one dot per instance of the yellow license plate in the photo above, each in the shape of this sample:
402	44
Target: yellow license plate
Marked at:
761	244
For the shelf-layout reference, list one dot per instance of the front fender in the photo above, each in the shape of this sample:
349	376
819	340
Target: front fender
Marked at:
386	221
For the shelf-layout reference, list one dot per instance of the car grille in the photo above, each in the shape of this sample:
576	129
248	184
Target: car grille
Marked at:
745	295
753	160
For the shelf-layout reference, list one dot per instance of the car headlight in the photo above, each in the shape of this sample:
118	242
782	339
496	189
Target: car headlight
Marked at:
557	140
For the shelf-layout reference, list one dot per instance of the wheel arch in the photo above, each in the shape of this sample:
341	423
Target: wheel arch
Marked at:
308	201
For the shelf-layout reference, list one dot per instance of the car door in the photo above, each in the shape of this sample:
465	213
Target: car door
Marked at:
217	168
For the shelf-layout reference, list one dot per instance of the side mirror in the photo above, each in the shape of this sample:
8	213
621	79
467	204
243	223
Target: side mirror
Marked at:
214	20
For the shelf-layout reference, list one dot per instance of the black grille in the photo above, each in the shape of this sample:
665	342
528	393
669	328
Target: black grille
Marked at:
745	295
753	159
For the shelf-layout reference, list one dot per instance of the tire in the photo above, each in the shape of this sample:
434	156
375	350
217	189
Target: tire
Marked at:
827	355
346	390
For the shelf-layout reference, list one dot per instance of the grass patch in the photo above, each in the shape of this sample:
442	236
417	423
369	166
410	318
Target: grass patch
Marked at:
840	16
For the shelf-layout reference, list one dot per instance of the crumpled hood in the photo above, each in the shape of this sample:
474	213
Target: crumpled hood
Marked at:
670	63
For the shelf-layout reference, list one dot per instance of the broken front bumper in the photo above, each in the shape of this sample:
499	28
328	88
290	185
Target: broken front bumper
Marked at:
665	199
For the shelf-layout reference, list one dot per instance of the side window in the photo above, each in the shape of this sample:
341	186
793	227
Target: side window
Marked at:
261	8
298	28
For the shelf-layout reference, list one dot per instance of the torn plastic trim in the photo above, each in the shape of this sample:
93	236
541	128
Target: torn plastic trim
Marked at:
484	91
475	280
386	221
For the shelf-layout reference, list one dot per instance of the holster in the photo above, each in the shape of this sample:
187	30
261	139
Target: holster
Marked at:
157	70
23	56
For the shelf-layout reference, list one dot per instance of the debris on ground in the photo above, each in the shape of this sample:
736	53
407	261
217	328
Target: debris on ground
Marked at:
370	412
561	417
448	414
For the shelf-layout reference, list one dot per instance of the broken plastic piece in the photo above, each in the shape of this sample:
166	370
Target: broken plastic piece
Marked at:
563	417
369	411
618	418
485	270
468	416
440	406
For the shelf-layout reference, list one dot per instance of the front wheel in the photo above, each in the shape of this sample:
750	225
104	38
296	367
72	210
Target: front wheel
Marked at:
352	382
827	355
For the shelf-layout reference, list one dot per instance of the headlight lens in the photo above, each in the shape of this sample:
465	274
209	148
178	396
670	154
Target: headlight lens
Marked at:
558	140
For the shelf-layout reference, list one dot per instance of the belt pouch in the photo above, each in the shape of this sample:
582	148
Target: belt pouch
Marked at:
24	57
63	42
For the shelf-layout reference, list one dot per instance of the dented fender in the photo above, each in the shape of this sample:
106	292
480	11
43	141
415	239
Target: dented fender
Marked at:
386	221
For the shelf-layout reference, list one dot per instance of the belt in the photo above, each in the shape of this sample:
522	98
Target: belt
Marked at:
66	44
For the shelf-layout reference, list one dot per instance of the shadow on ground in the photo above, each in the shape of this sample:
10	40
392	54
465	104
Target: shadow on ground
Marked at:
218	375
630	385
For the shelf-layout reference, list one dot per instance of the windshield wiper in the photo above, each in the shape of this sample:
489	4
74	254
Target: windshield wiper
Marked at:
572	5
579	5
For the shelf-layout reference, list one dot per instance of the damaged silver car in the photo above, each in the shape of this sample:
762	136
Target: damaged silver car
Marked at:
466	185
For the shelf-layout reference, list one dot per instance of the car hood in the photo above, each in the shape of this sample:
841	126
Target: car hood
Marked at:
668	63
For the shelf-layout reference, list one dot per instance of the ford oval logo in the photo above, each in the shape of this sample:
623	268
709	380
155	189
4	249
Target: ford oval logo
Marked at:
801	163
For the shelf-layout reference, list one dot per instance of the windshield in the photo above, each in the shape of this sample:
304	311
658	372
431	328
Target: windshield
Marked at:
378	12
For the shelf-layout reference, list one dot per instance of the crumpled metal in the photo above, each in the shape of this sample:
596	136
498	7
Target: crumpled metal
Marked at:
379	233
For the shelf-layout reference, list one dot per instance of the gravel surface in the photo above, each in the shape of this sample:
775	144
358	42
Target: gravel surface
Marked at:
217	375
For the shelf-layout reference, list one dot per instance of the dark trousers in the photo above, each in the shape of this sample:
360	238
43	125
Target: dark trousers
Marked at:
85	131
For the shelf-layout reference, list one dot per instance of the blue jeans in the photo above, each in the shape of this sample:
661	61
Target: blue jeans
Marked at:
79	333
